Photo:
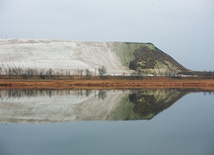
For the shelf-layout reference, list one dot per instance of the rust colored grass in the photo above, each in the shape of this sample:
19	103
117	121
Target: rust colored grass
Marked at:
146	83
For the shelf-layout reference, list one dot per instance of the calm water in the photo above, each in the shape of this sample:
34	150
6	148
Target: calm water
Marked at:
130	122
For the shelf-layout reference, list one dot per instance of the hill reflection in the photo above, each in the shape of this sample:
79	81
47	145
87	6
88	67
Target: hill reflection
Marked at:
149	103
35	106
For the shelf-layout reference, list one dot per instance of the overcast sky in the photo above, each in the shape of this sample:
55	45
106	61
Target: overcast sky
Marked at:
183	29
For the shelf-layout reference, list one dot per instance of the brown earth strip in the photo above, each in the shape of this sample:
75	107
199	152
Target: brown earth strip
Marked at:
146	83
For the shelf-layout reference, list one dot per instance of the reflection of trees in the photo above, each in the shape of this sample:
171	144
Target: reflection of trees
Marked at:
101	94
32	93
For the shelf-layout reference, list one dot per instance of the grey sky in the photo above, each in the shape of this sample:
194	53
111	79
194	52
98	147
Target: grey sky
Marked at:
183	29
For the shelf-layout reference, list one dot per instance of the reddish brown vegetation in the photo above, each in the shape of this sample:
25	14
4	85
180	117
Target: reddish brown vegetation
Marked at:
110	83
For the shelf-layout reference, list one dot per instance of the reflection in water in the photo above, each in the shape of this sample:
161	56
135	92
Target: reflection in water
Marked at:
43	92
149	103
70	105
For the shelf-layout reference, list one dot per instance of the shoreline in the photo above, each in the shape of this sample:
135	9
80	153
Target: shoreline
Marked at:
145	83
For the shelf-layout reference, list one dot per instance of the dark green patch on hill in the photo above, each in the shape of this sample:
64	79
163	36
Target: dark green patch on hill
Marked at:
155	60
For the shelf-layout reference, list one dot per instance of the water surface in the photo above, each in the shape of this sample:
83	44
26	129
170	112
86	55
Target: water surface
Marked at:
173	122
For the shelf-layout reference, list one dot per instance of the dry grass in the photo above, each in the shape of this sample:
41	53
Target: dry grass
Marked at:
110	83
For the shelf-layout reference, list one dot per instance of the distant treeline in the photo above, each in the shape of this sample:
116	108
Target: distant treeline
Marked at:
101	72
199	73
26	73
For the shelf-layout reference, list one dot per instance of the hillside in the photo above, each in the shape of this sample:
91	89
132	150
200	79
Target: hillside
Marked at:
153	60
117	57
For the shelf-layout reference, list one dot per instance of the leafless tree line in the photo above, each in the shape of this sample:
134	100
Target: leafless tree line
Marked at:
43	73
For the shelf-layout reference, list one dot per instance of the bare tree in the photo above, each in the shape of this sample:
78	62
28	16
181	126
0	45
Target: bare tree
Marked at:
49	72
102	71
87	74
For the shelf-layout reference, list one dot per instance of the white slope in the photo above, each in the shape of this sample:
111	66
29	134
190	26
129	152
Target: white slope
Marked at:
57	54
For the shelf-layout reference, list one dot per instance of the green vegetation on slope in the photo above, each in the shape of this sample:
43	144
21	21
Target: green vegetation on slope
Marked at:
154	59
146	58
125	50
